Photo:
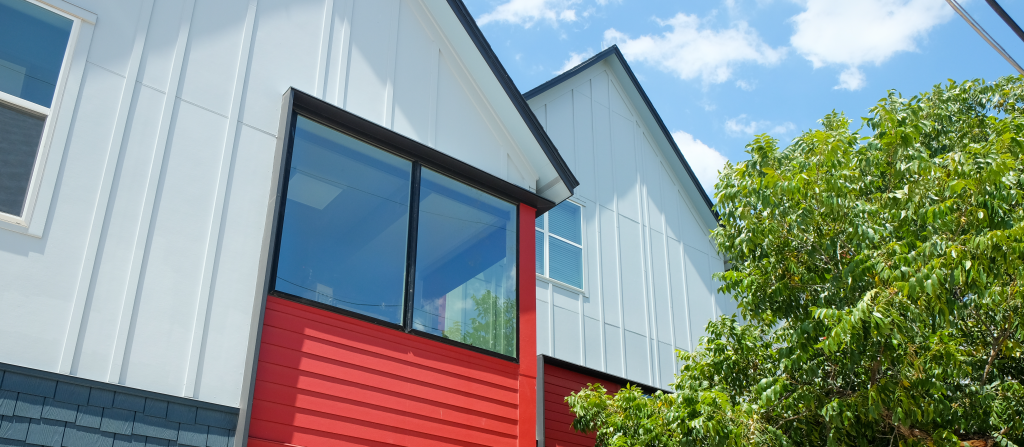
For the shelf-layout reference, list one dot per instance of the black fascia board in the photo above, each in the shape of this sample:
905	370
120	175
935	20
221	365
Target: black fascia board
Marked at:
597	58
554	157
601	375
362	129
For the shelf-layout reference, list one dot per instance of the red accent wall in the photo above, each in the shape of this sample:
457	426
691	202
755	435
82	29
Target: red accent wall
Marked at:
558	383
527	327
324	379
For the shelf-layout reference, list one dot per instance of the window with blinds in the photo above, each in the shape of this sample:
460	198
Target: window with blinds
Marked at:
560	244
33	45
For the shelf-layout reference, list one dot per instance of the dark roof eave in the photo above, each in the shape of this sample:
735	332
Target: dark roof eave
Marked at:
568	178
597	58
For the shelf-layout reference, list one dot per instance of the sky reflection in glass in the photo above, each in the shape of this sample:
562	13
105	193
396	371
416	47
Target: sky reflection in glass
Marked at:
345	228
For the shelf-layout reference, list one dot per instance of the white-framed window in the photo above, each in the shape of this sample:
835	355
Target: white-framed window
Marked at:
560	244
37	41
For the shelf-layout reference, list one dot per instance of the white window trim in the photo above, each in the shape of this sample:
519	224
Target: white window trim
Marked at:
53	142
583	252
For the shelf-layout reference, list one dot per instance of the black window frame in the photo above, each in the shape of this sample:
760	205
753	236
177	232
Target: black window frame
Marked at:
296	103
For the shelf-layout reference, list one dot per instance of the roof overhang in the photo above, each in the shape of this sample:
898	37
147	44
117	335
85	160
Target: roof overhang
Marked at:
617	65
555	181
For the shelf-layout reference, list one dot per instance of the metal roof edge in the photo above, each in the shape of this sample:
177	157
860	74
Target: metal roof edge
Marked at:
614	51
601	375
561	167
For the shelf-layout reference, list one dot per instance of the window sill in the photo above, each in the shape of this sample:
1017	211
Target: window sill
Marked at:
563	285
16	225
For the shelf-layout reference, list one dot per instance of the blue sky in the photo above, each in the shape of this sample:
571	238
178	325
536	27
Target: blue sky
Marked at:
721	71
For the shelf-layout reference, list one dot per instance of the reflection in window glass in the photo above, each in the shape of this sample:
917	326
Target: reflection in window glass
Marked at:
465	265
19	142
346	221
32	45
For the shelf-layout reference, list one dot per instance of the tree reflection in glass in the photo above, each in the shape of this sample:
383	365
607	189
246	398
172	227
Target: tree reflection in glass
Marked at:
466	265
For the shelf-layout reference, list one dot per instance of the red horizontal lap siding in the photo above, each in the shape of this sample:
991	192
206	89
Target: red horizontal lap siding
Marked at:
558	383
328	380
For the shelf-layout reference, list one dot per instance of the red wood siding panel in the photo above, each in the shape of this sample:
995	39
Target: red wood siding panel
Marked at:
324	379
328	380
558	383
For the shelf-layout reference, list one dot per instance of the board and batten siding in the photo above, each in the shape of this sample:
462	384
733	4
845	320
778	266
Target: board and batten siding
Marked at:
647	254
146	273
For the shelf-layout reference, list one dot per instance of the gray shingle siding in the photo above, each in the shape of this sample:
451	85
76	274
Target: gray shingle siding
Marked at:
156	408
29	406
60	411
14	427
72	394
8	399
117	421
35	386
45	432
182	414
45	410
129	402
101	398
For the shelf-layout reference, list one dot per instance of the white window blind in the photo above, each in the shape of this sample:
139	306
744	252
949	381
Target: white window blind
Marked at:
560	244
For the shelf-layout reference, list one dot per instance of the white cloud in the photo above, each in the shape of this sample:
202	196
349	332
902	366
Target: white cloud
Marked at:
689	50
703	159
783	128
851	79
574	60
747	86
855	33
528	12
741	125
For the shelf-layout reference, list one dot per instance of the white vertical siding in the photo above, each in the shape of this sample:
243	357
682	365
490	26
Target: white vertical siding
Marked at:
649	259
148	267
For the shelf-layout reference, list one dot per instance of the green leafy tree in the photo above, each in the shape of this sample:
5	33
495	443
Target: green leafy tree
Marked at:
878	274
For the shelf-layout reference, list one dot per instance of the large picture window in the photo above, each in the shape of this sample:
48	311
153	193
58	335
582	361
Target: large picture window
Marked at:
560	244
33	46
380	236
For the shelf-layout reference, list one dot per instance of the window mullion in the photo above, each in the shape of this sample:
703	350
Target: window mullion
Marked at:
566	240
410	260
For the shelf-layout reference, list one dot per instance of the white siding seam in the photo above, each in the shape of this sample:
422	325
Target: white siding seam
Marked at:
120	75
645	254
389	89
598	286
267	132
432	106
337	65
326	32
347	58
618	267
140	254
73	337
179	98
217	222
686	294
582	296
155	89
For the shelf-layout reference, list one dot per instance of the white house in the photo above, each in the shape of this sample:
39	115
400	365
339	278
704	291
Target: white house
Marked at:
643	286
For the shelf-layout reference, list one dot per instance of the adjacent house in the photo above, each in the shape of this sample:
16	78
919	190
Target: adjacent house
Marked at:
320	223
624	267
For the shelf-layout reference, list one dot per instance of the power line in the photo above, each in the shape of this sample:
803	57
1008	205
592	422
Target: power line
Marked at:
1006	18
984	34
